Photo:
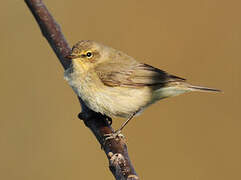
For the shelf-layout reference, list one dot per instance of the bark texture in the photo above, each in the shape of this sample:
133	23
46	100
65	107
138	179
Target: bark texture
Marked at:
115	149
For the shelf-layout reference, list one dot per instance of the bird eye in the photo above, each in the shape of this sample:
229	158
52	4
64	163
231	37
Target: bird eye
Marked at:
88	54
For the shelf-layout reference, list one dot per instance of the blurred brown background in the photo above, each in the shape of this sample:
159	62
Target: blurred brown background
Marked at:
191	137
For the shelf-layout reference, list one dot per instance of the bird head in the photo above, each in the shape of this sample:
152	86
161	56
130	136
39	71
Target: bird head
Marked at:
87	52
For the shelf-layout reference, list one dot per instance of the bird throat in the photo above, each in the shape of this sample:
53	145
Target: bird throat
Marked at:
79	66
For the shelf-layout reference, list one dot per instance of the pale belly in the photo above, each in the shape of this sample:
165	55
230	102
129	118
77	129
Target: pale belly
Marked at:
118	101
111	101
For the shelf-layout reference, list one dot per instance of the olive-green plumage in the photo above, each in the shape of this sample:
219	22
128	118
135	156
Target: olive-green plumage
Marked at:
115	84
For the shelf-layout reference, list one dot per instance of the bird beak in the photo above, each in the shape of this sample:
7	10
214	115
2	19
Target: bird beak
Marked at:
71	56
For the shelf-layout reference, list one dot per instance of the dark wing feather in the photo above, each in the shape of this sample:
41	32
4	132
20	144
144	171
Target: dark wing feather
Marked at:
133	74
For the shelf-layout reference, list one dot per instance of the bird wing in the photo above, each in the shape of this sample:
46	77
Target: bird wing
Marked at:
133	74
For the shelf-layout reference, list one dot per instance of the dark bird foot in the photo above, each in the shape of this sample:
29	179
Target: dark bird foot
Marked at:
108	119
88	116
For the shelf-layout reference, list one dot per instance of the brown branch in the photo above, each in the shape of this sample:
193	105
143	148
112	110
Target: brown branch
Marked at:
115	149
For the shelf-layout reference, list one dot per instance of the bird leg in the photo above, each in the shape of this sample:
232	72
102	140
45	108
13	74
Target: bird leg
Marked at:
117	133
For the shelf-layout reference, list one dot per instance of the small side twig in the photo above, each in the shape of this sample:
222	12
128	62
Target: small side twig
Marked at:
115	149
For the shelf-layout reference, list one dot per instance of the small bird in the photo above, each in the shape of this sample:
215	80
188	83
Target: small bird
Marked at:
114	84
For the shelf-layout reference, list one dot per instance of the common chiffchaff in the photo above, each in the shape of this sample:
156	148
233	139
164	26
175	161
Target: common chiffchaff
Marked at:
115	84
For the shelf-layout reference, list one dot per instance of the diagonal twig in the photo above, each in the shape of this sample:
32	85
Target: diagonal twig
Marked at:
115	149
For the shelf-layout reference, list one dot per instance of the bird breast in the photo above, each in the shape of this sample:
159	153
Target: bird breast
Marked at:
111	101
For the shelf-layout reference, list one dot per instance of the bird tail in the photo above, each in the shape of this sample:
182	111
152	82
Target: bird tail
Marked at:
177	88
202	89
